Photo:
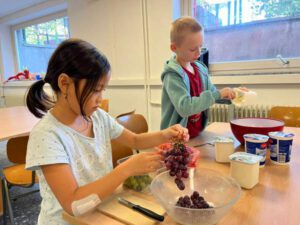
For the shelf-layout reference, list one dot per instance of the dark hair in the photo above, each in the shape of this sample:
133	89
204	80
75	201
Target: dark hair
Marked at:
79	60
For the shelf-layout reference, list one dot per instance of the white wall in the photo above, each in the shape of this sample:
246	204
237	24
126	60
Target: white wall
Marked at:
6	51
134	35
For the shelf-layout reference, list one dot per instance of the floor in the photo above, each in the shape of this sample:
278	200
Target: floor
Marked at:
25	209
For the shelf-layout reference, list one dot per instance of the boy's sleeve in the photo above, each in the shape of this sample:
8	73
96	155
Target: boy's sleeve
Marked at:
44	148
184	104
213	89
210	86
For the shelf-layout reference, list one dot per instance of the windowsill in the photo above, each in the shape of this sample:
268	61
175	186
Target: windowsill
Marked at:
257	79
113	82
21	83
247	79
218	80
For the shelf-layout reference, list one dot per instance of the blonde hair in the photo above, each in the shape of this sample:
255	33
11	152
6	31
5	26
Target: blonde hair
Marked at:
181	26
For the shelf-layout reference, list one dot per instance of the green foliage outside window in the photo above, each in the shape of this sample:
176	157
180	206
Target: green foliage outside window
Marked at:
219	13
277	8
47	34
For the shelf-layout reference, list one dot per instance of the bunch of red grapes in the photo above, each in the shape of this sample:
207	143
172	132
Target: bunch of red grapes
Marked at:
194	202
176	160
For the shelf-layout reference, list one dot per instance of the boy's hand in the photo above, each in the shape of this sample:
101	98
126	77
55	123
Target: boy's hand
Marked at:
227	93
176	131
243	89
142	163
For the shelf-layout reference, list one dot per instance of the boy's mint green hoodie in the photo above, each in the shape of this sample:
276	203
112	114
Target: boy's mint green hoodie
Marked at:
177	103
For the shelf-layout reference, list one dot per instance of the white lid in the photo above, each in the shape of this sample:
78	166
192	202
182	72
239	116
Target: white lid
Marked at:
245	157
258	138
281	135
223	139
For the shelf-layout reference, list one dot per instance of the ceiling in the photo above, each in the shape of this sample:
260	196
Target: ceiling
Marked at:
11	6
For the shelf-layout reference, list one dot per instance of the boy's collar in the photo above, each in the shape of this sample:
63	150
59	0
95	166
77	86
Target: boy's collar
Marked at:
172	63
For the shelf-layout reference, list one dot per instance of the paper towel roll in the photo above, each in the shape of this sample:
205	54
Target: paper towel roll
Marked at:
244	97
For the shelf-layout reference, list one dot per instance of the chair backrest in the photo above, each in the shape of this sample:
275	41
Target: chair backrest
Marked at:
104	104
16	149
133	122
290	115
125	114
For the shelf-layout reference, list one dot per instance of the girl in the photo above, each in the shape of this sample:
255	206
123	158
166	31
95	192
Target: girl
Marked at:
70	147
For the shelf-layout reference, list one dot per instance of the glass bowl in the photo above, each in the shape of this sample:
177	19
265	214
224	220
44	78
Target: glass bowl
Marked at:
218	190
139	183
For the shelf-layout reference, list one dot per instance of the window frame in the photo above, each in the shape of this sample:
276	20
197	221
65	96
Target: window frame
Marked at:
241	70
39	20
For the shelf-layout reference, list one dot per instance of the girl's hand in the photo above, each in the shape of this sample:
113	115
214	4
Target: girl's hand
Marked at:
142	163
176	131
227	93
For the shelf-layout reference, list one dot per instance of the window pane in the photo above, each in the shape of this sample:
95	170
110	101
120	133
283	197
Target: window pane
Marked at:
237	30
36	43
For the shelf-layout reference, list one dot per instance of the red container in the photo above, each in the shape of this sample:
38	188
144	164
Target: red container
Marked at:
239	127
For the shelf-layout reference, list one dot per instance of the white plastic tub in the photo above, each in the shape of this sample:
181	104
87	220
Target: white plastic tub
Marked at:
244	168
224	147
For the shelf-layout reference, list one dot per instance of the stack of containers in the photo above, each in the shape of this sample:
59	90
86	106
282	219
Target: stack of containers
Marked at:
281	147
257	144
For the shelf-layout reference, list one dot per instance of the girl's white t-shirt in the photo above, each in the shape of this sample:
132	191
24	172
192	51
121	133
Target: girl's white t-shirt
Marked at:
52	142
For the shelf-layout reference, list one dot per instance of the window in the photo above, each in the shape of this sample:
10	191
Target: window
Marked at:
244	30
36	43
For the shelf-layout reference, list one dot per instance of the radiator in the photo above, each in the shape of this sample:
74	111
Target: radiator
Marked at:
225	113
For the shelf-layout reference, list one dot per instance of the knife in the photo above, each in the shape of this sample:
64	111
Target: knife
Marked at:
141	210
207	143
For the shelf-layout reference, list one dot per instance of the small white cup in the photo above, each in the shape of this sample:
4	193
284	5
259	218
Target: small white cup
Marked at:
224	147
244	168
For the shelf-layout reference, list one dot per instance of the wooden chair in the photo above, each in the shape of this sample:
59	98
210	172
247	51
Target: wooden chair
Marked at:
133	122
104	105
125	114
290	115
16	175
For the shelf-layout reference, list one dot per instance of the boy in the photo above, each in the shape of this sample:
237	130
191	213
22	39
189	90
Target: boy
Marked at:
187	89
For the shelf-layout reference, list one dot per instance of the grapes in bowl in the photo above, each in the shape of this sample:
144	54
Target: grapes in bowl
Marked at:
219	191
137	183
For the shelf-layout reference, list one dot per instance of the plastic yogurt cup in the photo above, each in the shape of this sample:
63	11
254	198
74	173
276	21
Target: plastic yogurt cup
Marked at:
244	168
224	147
281	147
257	144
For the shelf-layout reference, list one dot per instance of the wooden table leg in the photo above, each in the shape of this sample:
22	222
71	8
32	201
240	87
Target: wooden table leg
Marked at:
1	206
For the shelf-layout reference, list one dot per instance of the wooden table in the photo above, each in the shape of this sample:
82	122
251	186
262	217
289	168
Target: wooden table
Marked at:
274	200
14	122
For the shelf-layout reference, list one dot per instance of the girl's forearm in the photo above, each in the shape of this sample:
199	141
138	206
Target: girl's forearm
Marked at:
102	187
147	140
106	185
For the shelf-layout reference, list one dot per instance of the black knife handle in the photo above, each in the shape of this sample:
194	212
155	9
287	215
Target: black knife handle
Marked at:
148	213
